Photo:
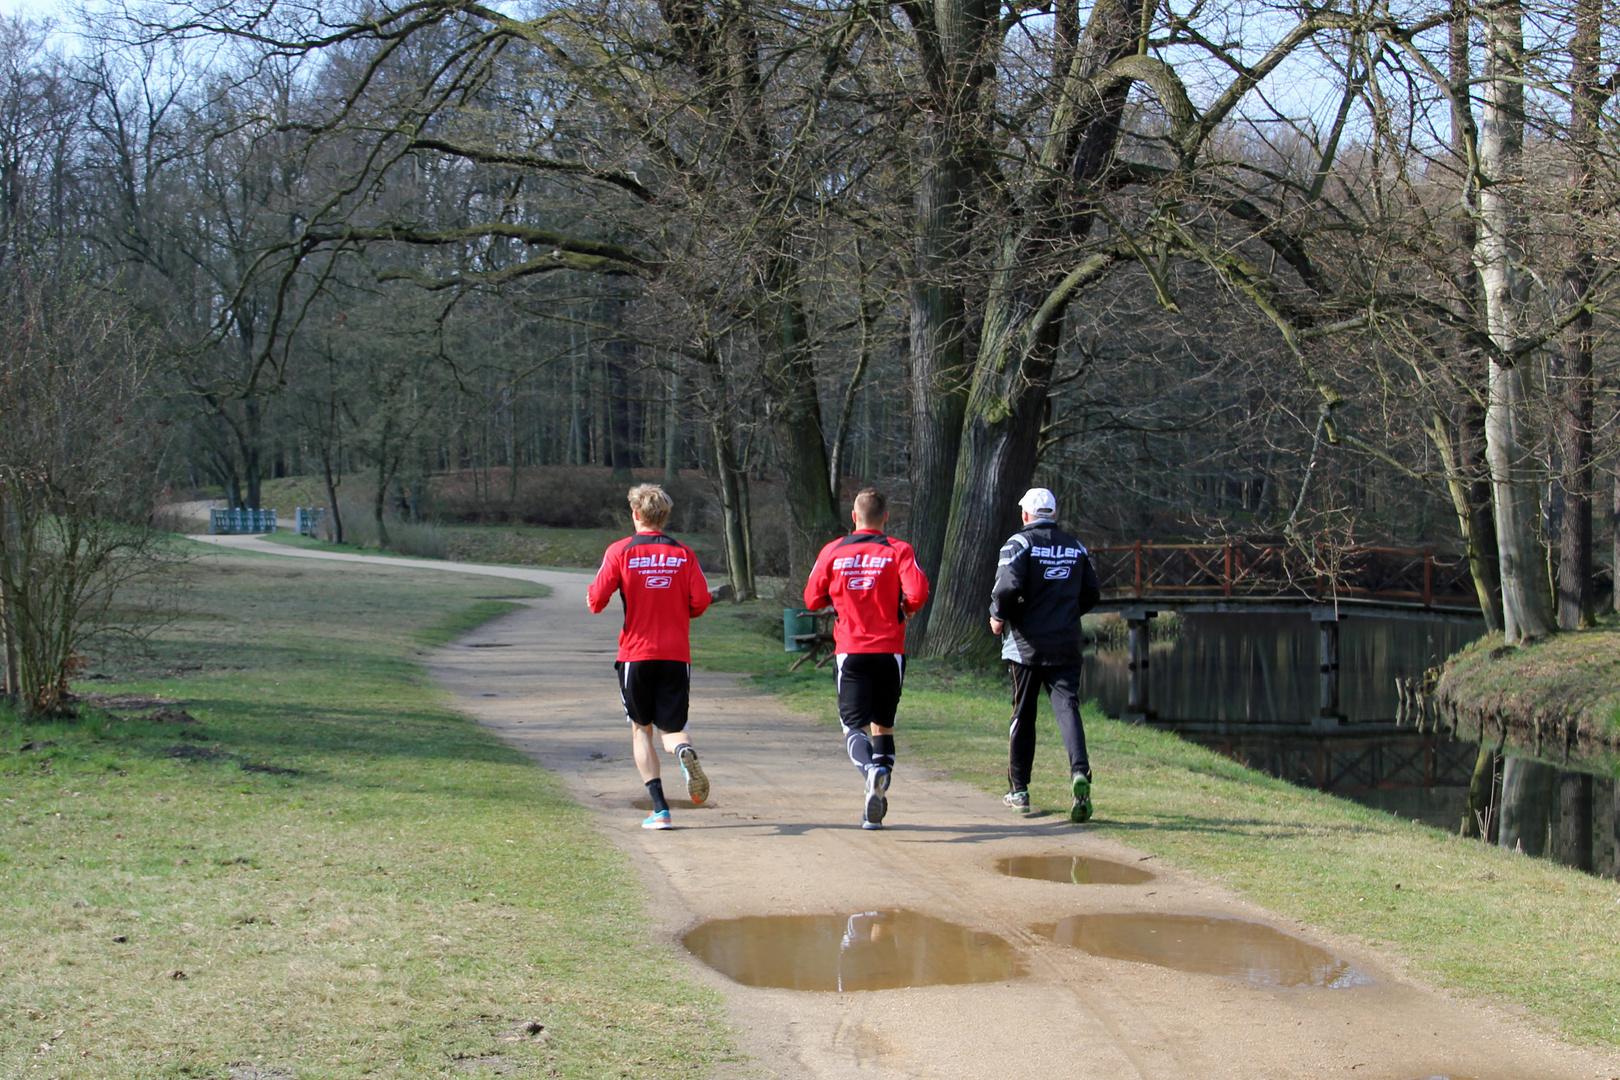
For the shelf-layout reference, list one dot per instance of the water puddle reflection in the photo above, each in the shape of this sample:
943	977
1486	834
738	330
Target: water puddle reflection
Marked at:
1212	946
869	950
1076	869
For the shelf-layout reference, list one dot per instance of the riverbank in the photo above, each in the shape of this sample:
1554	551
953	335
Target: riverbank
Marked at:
1555	698
1490	924
272	850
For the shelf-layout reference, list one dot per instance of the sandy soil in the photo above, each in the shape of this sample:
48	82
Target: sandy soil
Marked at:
782	836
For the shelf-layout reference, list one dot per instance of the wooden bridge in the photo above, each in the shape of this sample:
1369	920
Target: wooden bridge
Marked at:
1258	576
1140	580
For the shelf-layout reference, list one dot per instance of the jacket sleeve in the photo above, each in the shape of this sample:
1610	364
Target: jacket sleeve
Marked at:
817	594
1011	568
1090	586
700	588
606	583
913	582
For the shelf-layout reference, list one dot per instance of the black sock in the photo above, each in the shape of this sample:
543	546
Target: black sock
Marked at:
655	788
683	746
859	745
883	750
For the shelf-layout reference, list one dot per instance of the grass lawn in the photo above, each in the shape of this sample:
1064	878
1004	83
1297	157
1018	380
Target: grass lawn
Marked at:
1471	917
328	873
1572	677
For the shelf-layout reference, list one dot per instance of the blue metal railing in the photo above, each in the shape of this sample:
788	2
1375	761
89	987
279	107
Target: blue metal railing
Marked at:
235	522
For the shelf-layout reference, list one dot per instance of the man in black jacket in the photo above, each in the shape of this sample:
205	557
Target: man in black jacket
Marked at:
1044	583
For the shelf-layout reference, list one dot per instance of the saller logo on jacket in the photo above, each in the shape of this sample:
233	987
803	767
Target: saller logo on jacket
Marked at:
876	583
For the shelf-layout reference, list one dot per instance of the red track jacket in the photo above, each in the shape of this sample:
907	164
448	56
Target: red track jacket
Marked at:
663	591
874	582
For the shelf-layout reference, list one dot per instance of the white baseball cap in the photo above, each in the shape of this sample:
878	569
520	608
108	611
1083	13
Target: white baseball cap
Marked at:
1040	502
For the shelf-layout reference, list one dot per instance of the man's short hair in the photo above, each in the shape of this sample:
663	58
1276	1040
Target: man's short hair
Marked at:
871	506
651	504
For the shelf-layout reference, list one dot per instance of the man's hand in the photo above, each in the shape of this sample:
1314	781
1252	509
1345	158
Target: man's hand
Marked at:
996	626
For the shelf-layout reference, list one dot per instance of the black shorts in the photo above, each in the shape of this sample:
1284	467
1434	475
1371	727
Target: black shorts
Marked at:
656	692
869	688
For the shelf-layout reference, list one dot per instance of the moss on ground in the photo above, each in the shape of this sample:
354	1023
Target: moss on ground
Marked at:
323	872
1474	918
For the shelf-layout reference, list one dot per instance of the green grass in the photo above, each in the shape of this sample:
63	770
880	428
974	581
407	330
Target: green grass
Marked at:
514	545
1483	921
353	880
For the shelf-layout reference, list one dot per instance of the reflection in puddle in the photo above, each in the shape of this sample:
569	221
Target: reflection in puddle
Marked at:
1078	869
1211	946
870	950
674	804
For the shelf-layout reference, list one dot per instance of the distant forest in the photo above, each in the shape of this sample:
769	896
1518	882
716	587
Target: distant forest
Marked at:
1328	274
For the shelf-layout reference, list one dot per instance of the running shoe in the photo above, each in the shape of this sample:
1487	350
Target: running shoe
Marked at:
1018	800
1080	812
697	784
877	803
658	819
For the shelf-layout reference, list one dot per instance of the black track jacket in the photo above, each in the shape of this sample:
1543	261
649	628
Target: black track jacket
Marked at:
1044	583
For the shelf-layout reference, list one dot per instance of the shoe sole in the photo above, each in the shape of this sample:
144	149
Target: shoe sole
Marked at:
697	782
1080	812
877	803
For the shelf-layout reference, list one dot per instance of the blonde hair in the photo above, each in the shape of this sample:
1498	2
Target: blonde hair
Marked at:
651	504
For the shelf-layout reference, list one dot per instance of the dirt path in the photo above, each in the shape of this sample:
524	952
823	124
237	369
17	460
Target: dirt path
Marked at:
782	837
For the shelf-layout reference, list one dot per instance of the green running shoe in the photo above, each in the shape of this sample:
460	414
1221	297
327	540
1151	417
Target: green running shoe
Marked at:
1018	800
1080	812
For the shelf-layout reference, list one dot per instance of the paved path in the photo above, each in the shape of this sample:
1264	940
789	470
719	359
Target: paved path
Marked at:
782	837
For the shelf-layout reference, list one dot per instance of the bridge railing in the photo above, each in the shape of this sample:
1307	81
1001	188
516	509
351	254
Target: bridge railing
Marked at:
1244	570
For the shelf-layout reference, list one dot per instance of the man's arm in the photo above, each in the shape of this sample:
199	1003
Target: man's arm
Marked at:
700	587
913	582
1090	586
817	590
606	582
1008	591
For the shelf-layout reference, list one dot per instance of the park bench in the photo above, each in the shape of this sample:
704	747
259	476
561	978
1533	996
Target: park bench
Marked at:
808	632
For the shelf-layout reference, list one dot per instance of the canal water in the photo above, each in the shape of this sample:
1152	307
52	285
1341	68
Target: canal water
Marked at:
1247	686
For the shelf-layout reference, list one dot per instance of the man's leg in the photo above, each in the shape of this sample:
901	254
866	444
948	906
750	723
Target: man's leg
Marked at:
1026	688
1065	684
853	712
674	705
640	705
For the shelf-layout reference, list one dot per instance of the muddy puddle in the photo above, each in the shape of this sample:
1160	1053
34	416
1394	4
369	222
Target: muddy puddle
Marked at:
869	950
1074	869
1235	948
674	804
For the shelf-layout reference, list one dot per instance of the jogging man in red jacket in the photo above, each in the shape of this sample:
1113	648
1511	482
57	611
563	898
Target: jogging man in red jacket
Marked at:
874	584
663	591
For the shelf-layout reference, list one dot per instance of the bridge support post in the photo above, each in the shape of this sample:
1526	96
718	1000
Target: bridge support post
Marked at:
1326	619
1137	708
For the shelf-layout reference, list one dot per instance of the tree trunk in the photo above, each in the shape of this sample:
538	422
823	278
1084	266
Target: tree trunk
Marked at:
1527	607
672	431
1574	842
1467	475
1000	443
795	412
734	526
1575	600
331	495
1527	793
1476	822
1022	326
939	375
